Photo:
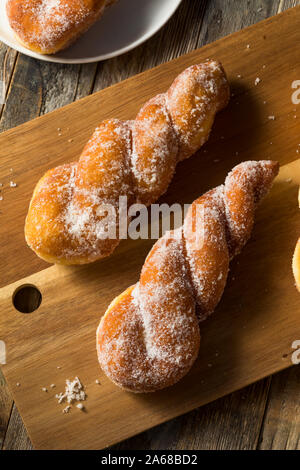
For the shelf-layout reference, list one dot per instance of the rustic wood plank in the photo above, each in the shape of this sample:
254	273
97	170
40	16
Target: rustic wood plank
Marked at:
6	404
24	97
243	341
230	423
101	83
33	88
16	437
110	99
281	427
221	18
7	63
285	4
178	37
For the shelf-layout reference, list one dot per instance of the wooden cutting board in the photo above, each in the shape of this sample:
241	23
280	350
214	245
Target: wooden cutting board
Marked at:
251	333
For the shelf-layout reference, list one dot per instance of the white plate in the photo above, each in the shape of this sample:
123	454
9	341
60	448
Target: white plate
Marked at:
125	25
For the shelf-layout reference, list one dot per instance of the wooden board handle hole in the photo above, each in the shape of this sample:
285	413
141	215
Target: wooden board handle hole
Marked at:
27	298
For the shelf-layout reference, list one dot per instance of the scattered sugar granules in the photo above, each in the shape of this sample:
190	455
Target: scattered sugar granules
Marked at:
73	392
80	406
12	184
44	389
272	118
257	80
66	409
97	382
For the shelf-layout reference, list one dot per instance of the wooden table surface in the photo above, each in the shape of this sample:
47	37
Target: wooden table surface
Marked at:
264	415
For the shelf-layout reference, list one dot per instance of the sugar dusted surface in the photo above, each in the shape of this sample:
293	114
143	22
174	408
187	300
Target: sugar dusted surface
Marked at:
149	337
136	159
46	22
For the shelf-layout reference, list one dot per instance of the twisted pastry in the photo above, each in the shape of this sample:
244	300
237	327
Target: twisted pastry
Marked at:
47	26
67	223
296	258
149	337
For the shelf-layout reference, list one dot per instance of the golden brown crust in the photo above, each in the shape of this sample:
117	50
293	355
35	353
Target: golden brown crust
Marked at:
149	337
68	195
48	26
133	158
296	265
296	258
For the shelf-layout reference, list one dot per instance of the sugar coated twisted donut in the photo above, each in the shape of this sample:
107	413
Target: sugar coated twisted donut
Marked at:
47	26
149	337
65	223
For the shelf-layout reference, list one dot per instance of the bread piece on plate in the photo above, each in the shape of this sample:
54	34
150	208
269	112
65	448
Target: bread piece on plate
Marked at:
48	26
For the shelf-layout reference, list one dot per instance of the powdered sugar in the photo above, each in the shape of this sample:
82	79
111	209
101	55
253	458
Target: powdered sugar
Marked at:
73	392
149	336
67	219
49	24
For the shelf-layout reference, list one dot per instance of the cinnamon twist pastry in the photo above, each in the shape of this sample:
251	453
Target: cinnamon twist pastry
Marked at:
149	337
48	26
67	223
296	258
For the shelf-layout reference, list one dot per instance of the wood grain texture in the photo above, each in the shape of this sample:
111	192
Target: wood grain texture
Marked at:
281	428
16	437
243	342
230	423
236	15
6	404
220	18
282	115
